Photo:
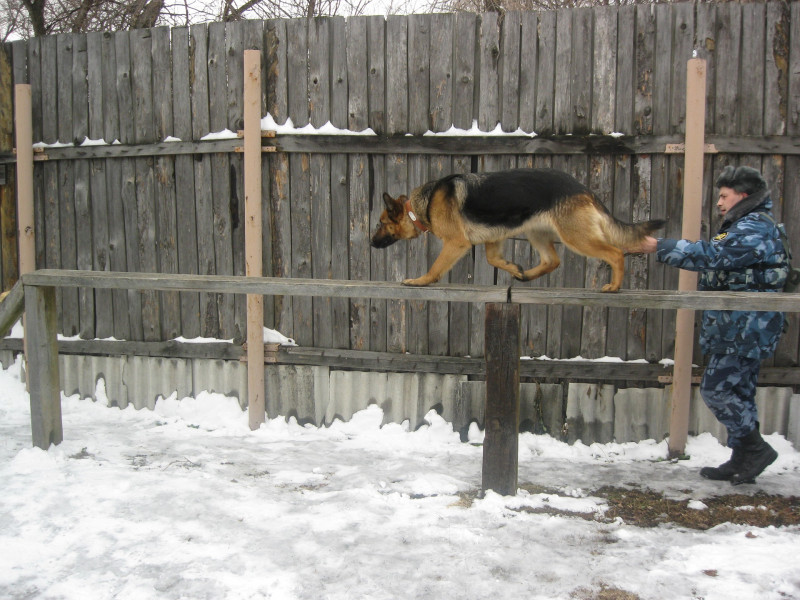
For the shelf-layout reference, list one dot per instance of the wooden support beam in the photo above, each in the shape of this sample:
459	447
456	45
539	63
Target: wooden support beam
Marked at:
43	379
501	443
11	308
252	236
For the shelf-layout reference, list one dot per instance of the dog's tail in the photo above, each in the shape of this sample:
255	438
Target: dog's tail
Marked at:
630	235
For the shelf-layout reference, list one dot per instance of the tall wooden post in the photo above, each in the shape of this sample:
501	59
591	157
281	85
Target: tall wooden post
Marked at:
687	280
501	444
252	236
43	380
24	123
23	119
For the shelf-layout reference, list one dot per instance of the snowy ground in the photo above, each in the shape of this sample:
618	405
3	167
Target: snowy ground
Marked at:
186	502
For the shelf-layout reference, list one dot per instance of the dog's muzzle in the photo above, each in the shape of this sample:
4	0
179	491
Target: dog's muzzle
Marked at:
382	241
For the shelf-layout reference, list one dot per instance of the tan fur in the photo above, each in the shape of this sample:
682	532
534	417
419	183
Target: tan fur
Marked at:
577	221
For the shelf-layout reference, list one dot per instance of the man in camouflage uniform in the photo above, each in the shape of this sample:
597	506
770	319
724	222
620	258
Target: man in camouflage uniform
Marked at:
746	254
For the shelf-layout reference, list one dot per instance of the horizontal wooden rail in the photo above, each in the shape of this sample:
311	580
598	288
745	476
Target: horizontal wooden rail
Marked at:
332	288
470	145
367	360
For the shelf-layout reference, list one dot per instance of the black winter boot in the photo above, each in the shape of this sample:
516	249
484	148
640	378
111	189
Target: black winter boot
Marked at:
726	470
757	456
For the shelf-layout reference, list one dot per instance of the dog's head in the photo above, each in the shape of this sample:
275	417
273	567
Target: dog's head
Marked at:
395	224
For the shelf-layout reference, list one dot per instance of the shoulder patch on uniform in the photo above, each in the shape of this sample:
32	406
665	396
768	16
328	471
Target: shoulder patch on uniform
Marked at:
721	236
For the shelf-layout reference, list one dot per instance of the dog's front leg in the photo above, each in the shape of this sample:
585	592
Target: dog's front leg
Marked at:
451	252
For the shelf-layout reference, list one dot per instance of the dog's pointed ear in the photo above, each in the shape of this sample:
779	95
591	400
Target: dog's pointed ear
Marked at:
393	207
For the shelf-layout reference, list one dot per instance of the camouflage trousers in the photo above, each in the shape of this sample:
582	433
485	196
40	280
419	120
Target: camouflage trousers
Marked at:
728	388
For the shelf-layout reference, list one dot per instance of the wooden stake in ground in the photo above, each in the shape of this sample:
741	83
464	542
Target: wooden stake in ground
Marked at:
687	280
252	236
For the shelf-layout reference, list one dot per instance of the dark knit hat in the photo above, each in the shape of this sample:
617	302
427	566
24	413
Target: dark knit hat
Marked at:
742	179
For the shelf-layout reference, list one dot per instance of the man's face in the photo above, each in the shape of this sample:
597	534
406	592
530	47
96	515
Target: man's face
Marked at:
728	198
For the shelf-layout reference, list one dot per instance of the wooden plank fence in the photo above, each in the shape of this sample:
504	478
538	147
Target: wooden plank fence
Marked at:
573	76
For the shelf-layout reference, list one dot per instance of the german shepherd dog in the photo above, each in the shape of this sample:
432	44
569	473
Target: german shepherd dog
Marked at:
544	205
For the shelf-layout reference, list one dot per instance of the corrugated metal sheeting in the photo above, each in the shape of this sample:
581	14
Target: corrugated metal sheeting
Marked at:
319	395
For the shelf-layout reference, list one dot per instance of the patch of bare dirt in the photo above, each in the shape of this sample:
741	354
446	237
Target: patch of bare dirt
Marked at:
647	508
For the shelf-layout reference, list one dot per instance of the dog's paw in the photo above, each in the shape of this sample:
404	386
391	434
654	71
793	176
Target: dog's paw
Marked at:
520	275
419	282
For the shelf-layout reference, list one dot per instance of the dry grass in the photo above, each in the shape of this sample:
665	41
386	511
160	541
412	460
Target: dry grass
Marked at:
650	509
646	508
604	593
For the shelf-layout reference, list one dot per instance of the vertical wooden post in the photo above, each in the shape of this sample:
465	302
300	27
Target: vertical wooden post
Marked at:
687	280
23	118
24	122
43	379
252	236
501	444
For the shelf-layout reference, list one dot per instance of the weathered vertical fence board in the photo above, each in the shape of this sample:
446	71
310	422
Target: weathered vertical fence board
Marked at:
340	197
643	70
418	91
299	173
234	64
508	116
166	216
117	248
222	198
83	218
357	54
629	324
376	170
538	321
201	125
276	82
526	107
319	94
104	305
186	238
441	118
8	223
584	272
488	112
144	132
127	179
464	82
62	80
599	322
397	174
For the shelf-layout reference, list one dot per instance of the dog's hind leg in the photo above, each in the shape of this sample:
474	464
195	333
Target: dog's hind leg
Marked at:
548	258
597	248
494	256
451	252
